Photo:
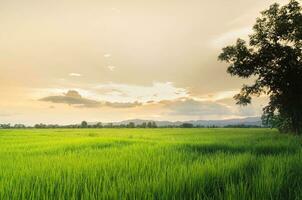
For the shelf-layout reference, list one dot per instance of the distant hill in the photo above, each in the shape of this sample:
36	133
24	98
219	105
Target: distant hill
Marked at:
249	121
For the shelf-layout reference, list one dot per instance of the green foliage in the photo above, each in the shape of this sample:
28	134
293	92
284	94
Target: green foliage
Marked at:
151	124
98	125
131	125
273	58
84	124
187	125
283	124
149	164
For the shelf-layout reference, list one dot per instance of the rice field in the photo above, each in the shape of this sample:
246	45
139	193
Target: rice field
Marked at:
149	164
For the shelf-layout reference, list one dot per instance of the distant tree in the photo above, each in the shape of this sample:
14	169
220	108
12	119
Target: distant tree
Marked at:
84	124
131	125
5	126
274	58
40	125
241	126
99	125
109	125
19	126
144	125
123	126
154	125
149	124
187	125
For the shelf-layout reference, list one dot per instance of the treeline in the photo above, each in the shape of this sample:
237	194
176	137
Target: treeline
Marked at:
150	124
84	124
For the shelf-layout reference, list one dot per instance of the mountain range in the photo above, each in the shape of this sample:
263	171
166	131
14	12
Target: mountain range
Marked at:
249	121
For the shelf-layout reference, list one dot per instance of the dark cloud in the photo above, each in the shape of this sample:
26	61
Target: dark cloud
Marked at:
74	98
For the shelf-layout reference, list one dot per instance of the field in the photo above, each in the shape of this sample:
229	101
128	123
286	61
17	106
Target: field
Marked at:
149	164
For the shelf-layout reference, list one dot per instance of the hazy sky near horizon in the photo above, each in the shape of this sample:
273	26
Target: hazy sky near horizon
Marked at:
71	60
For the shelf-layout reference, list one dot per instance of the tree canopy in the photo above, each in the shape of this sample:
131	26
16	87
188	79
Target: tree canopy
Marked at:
272	56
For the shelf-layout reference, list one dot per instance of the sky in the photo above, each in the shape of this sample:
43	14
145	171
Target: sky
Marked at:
64	61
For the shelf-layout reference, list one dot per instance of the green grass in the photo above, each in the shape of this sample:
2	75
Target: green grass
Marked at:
150	164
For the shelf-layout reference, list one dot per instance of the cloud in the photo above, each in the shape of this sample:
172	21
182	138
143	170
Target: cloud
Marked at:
118	92
73	98
191	107
249	110
107	55
111	67
158	91
6	114
218	96
230	36
160	98
122	105
75	74
115	10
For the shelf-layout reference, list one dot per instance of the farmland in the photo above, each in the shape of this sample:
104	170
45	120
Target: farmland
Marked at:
149	164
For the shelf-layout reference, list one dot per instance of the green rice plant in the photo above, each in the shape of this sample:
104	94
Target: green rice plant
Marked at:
149	164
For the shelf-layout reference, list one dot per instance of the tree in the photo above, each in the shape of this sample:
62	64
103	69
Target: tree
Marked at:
19	126
274	58
5	126
144	125
187	125
109	125
41	125
154	125
131	125
99	125
84	124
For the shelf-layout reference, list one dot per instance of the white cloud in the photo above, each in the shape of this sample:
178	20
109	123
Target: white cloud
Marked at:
111	67
6	114
217	96
230	36
75	74
118	92
161	98
116	10
158	91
